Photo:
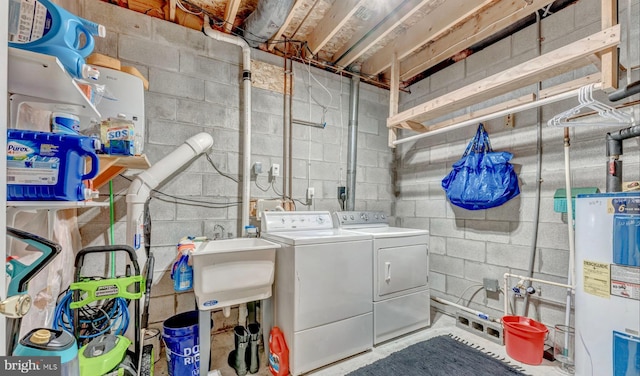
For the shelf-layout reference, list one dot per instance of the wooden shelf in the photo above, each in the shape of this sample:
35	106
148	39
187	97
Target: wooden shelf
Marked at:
113	165
549	65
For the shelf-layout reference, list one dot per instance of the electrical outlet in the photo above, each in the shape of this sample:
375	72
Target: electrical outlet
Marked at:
310	193
275	170
490	284
257	168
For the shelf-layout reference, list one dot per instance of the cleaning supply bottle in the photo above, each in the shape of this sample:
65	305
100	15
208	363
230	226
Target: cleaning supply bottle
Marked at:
182	271
278	353
44	27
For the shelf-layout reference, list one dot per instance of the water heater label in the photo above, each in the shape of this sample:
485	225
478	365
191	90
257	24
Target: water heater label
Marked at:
625	205
625	282
596	278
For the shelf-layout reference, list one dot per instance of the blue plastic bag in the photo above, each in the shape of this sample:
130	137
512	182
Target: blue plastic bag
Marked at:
482	178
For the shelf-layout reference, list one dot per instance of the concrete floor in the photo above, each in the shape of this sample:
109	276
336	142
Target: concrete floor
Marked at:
441	325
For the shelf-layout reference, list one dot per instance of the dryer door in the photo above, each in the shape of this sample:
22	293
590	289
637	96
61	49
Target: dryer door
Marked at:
400	270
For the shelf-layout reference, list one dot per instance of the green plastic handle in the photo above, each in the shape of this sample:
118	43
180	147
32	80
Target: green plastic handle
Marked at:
101	289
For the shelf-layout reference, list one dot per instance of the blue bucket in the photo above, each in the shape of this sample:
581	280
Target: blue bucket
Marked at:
180	336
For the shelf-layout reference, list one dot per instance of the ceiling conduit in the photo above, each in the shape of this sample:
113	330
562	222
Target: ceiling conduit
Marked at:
352	150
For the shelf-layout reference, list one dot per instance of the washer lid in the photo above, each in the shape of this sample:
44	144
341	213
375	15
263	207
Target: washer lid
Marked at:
390	232
315	236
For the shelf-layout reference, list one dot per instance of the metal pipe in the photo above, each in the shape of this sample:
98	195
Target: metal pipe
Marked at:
627	91
495	115
352	150
614	151
307	123
536	212
287	129
506	277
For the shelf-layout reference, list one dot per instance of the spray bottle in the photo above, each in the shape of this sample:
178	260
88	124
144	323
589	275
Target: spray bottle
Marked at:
44	27
182	271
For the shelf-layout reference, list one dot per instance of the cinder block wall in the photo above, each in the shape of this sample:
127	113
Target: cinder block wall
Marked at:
195	87
467	246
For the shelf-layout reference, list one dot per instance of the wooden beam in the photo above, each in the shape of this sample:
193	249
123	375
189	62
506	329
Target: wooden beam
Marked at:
374	31
537	69
609	58
271	44
482	112
555	90
230	13
437	23
498	17
331	23
595	60
172	10
394	96
570	85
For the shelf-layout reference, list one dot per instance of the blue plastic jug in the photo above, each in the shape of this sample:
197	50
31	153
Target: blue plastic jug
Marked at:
43	27
43	166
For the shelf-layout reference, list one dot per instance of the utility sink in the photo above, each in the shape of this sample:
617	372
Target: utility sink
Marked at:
232	271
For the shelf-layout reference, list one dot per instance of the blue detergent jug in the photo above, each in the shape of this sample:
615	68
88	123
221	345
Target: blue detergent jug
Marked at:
43	166
43	27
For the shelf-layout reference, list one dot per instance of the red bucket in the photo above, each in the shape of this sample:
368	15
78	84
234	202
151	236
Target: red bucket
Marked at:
524	339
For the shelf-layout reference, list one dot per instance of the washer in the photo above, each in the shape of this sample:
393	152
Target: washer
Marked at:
401	298
322	289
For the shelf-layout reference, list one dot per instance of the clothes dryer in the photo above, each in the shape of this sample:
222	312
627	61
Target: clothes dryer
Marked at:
401	298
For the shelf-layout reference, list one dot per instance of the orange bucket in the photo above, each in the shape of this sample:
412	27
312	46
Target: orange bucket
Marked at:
524	339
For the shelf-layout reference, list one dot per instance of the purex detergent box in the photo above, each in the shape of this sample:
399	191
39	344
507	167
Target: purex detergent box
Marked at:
43	166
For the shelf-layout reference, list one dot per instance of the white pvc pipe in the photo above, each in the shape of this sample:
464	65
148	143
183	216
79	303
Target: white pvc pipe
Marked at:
512	110
463	308
142	185
572	246
506	286
246	115
246	147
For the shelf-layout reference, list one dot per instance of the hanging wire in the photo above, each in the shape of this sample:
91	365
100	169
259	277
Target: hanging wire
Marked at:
218	170
181	6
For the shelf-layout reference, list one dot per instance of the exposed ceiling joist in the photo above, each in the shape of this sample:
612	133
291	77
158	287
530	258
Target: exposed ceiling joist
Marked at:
336	17
274	39
172	10
442	19
474	30
230	13
375	30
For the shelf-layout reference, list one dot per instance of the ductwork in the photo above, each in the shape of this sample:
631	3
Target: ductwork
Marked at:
266	20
